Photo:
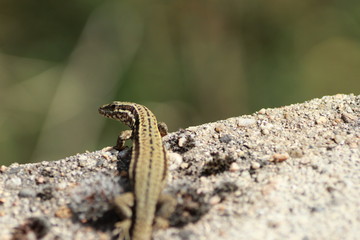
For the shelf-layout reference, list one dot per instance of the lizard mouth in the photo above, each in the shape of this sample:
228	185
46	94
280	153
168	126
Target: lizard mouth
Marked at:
108	110
119	112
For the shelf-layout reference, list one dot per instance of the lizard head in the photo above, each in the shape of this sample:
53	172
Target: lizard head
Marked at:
120	111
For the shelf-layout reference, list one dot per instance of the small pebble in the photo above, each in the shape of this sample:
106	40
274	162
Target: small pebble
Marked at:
101	162
234	167
296	153
13	182
107	149
184	165
265	131
192	129
48	171
237	193
82	158
181	142
255	165
44	163
91	163
214	200
287	116
63	212
218	129
14	165
240	153
62	185
225	139
352	145
13	170
82	164
245	122
339	139
174	157
27	193
3	168
321	120
40	180
337	121
279	157
262	111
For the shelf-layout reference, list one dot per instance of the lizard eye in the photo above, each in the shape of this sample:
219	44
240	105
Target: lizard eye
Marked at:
112	107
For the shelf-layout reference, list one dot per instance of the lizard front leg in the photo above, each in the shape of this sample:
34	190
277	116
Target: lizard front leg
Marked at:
163	129
123	136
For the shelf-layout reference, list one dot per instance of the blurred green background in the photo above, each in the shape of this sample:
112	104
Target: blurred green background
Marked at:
190	62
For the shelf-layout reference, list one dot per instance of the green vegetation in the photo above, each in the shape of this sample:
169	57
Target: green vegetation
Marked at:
190	62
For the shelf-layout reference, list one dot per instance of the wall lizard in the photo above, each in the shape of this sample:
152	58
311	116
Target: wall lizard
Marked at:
148	168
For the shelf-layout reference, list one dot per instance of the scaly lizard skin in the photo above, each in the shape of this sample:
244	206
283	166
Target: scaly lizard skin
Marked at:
148	168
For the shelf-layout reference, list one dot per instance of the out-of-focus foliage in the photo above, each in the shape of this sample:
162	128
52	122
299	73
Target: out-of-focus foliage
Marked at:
189	61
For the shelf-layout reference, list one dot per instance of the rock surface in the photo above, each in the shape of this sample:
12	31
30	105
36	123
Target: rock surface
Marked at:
285	173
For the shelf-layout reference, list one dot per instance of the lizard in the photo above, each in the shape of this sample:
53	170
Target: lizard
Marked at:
147	172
